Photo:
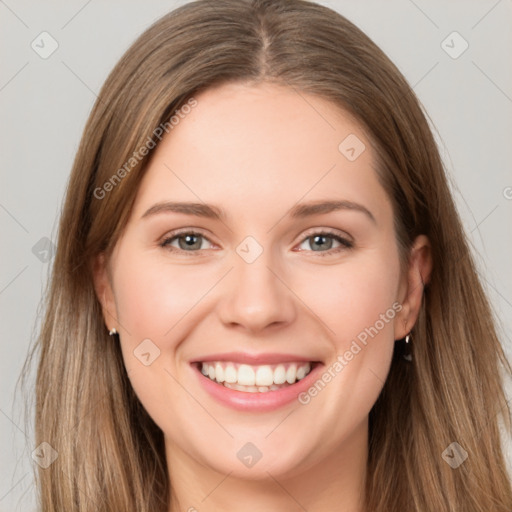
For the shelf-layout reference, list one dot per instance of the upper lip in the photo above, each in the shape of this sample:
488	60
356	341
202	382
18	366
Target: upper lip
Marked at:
254	359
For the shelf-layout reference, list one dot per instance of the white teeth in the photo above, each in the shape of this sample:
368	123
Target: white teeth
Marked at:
246	376
262	378
230	375
280	375
219	373
301	373
291	374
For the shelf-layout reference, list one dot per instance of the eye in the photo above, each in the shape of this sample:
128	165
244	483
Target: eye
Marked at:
323	239
192	241
188	241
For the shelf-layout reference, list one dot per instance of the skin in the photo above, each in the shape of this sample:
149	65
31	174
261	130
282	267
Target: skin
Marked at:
256	151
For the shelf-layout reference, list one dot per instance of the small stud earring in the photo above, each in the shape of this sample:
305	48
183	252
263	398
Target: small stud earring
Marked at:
112	332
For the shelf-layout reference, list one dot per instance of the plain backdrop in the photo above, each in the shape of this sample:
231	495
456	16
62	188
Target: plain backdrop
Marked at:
44	103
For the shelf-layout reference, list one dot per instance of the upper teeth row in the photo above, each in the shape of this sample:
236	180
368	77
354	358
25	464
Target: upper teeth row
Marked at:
247	375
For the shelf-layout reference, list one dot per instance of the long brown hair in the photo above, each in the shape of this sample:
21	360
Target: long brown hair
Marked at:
110	453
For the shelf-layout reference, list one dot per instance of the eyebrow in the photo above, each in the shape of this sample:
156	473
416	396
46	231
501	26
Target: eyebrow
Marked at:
299	211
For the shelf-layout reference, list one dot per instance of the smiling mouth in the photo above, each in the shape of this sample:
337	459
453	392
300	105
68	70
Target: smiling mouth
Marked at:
255	378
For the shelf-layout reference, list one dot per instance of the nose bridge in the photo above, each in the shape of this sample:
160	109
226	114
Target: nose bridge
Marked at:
257	295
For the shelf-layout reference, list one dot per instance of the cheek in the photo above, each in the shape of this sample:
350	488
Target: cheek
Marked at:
360	311
151	299
152	296
357	297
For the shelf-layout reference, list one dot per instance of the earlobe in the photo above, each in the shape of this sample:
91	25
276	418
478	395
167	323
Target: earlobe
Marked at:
418	275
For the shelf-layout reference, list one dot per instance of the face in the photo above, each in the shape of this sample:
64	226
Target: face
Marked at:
293	306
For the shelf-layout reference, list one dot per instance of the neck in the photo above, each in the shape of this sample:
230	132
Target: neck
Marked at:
334	481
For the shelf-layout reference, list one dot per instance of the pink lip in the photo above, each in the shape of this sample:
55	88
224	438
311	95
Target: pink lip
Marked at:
258	402
253	359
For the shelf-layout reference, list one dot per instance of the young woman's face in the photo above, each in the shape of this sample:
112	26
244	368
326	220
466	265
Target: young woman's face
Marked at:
226	261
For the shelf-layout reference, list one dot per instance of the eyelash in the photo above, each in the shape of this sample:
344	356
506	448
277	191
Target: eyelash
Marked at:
345	244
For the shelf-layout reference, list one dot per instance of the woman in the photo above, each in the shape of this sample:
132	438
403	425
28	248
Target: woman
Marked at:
247	368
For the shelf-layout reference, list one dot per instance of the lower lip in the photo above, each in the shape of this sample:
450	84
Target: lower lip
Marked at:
258	402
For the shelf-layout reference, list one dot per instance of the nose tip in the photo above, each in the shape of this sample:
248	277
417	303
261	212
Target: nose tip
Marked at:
257	299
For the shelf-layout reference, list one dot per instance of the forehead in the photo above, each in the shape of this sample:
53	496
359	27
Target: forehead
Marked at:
247	146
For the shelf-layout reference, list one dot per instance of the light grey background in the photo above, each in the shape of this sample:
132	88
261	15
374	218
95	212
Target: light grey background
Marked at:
44	104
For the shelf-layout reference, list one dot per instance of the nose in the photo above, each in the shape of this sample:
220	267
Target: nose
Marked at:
258	297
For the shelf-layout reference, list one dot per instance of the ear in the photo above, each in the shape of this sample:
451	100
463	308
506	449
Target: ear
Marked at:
412	285
104	292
